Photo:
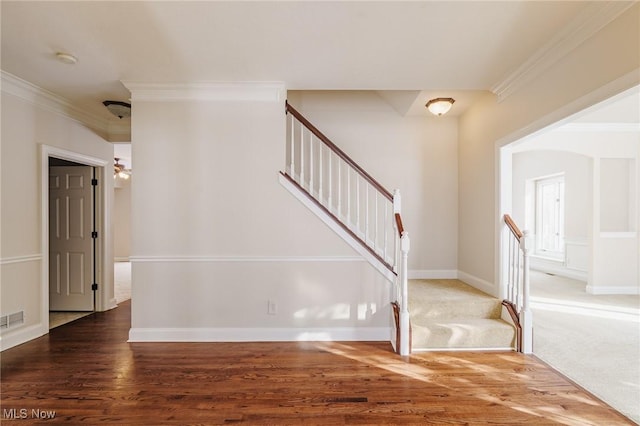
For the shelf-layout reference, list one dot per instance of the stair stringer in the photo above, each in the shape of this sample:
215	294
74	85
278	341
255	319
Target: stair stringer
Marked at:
330	220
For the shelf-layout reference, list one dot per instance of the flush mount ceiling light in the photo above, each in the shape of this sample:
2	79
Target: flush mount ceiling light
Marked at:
439	106
117	108
66	58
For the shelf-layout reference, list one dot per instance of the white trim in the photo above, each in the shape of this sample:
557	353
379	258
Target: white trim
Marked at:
121	259
455	349
50	101
21	259
259	334
574	274
112	303
557	267
214	91
599	127
433	274
479	283
214	259
612	290
330	222
104	219
590	309
22	335
593	18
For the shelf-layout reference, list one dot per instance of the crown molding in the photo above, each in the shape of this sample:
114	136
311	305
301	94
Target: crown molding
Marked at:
216	91
600	127
593	18
48	100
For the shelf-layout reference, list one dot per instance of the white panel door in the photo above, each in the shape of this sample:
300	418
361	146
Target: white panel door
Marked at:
70	239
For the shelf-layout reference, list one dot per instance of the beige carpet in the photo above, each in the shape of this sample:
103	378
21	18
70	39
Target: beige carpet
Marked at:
449	314
593	340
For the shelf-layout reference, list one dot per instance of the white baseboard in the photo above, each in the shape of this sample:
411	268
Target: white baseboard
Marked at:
478	283
612	290
433	274
113	303
259	334
549	268
22	335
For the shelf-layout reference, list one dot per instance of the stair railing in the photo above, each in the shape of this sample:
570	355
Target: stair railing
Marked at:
517	280
356	201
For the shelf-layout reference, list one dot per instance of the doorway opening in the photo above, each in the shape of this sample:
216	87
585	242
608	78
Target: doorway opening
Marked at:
72	240
574	187
74	217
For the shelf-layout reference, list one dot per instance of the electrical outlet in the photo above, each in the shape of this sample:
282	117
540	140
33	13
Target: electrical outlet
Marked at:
272	307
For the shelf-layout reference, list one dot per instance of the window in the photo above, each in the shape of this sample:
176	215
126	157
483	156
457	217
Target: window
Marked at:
550	217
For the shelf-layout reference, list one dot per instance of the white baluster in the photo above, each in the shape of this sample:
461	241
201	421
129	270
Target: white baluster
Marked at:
320	172
311	163
339	188
358	202
366	212
397	205
292	170
512	254
329	181
375	220
301	155
526	314
349	197
386	224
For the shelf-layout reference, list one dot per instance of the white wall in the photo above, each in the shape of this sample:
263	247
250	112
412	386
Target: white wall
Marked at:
599	68
611	264
576	168
26	125
416	154
212	244
122	220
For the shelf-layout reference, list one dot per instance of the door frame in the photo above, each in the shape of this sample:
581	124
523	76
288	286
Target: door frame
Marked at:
102	301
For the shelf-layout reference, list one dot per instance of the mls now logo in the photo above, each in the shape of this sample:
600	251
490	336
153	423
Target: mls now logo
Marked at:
23	413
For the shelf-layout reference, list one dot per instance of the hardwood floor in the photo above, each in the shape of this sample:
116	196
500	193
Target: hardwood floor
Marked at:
87	373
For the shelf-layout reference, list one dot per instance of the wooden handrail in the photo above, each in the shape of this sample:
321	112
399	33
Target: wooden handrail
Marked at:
399	225
513	227
513	312
366	176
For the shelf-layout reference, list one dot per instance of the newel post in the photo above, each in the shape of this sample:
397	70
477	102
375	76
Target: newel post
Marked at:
526	319
405	346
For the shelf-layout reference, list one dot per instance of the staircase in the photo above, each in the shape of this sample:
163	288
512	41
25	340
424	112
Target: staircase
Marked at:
451	315
440	314
354	205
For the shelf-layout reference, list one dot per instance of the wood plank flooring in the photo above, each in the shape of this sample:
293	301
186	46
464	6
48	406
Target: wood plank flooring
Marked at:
87	373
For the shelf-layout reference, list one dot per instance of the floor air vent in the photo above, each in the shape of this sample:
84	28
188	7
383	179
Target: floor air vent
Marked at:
11	320
347	399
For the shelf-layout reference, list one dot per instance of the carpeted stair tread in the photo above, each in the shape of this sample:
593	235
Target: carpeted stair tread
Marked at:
453	299
449	314
480	333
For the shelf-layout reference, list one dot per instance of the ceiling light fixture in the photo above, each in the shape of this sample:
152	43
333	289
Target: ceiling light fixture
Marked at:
117	108
439	106
66	58
119	170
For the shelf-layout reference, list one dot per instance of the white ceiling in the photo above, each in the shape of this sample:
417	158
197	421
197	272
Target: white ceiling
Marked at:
397	48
